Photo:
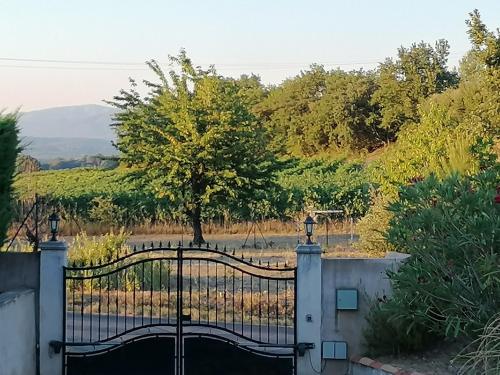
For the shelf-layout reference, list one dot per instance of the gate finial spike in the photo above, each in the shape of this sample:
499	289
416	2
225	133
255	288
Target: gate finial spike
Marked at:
277	264
242	256
161	244
135	248
208	245
180	244
152	245
251	260
234	252
74	264
168	245
225	249
268	264
190	244
260	263
143	246
216	247
91	264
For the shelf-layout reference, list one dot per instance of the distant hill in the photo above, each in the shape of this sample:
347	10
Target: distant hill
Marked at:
45	149
82	121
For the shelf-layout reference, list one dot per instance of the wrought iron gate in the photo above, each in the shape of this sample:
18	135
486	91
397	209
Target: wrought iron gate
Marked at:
176	310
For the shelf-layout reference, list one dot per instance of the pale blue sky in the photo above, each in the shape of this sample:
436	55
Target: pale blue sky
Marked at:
274	39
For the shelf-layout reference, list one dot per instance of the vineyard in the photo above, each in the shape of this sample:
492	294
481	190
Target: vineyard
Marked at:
91	198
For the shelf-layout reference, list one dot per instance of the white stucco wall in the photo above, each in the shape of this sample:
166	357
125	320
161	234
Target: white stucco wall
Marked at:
369	277
17	333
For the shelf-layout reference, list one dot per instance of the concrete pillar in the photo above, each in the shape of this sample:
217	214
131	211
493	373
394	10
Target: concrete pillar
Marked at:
309	307
53	257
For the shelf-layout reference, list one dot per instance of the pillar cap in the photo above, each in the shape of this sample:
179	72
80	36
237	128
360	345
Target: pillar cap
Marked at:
308	249
53	245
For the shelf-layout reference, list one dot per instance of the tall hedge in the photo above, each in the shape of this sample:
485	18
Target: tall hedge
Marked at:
9	148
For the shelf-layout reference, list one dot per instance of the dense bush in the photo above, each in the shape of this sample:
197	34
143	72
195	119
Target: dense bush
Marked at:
450	287
9	148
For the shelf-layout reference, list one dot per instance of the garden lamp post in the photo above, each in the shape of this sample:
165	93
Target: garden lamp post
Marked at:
308	224
54	225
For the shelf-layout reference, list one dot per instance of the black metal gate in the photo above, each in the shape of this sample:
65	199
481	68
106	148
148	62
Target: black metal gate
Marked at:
182	311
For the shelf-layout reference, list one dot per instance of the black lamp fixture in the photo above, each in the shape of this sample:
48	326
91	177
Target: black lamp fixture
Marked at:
54	225
308	224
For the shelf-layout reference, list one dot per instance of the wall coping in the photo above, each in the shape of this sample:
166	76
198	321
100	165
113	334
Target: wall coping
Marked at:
12	295
384	368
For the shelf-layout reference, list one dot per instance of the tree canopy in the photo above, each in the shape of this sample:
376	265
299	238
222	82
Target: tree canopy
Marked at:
194	136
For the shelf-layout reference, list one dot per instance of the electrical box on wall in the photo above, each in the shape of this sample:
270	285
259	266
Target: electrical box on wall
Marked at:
334	350
347	299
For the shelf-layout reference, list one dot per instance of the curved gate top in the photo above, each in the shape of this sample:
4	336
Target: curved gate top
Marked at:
180	310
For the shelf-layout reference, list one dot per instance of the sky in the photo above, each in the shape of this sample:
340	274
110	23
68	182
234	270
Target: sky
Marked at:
103	42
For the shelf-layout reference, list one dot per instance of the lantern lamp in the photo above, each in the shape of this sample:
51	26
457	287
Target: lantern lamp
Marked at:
54	225
309	224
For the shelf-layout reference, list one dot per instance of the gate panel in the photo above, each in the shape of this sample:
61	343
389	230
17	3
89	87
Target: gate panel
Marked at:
177	300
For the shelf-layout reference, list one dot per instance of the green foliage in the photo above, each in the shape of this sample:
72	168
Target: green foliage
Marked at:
86	250
419	72
9	149
194	138
450	286
93	194
484	358
322	112
373	226
324	184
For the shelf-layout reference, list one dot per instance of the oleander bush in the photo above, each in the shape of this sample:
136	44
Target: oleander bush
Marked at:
450	286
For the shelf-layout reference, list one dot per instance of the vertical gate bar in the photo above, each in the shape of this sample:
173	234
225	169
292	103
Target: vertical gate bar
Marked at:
73	284
168	290
216	295
133	295
242	303
179	311
268	303
116	303
161	287
260	308
91	315
295	318
251	306
108	287
99	310
225	295
65	302
286	311
199	291
234	297
190	287
208	298
81	315
151	293
124	284
142	293
277	311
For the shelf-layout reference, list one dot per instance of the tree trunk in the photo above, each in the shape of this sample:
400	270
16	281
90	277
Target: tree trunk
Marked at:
196	222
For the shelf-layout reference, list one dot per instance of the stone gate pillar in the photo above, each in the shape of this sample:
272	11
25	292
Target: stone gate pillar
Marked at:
53	257
309	307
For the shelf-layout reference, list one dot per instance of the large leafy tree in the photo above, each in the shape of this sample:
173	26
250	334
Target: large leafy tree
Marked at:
9	148
418	72
194	136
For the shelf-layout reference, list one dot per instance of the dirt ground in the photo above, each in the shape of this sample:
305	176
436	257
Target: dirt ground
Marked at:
436	361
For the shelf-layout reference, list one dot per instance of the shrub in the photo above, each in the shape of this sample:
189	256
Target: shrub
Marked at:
86	250
9	148
450	286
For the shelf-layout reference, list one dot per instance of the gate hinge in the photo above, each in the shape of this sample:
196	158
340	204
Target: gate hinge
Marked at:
303	346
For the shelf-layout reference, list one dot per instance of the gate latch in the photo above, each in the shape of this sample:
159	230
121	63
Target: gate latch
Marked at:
303	346
56	346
